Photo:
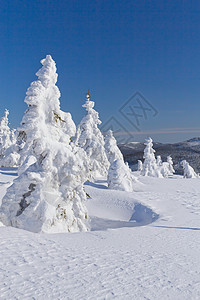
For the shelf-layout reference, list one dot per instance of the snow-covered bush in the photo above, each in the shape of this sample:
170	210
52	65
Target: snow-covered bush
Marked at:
112	151
90	138
48	196
150	167
139	168
188	170
120	176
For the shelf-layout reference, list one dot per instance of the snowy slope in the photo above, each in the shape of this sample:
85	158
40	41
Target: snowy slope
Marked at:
117	259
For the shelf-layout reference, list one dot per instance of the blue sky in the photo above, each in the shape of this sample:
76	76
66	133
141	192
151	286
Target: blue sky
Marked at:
115	48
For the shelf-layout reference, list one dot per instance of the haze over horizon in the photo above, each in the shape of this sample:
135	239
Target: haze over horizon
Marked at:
140	59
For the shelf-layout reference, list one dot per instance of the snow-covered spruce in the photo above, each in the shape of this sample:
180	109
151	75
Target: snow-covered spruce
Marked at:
5	134
120	176
90	138
165	169
150	167
48	196
139	168
40	94
111	148
170	162
188	170
159	161
9	156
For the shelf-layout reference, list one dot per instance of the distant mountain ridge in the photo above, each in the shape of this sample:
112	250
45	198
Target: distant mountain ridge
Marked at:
189	150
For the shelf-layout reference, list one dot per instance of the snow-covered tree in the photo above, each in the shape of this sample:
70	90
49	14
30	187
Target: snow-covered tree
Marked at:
9	156
90	138
5	134
112	151
48	196
56	121
188	170
170	162
165	170
139	165
159	161
150	167
120	176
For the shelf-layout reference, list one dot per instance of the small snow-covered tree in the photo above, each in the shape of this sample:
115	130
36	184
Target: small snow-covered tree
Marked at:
150	167
48	196
120	176
159	161
165	170
139	165
188	170
90	138
5	134
170	162
112	151
9	156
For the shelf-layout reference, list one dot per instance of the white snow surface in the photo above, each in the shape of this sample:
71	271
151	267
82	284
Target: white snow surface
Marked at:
118	259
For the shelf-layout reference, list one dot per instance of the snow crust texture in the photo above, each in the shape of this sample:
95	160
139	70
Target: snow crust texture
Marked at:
157	261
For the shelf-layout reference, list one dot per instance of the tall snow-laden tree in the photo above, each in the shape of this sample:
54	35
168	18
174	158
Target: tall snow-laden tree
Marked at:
188	170
90	138
150	167
112	151
48	196
46	112
120	176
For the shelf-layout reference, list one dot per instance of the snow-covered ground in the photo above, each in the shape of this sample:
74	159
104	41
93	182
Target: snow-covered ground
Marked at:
143	245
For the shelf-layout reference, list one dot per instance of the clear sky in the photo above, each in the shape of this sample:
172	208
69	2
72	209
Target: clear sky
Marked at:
115	48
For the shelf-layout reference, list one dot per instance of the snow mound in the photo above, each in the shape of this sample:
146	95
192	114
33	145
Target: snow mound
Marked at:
110	209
